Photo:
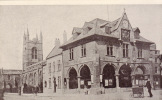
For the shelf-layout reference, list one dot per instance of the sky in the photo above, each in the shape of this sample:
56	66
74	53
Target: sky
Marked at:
54	20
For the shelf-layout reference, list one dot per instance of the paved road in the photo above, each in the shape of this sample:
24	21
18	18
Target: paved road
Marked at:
111	96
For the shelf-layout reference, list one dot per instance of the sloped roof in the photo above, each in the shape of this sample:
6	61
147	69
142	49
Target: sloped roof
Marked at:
142	39
55	51
97	28
11	71
114	25
78	30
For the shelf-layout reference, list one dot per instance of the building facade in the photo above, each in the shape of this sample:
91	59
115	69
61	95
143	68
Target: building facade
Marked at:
52	72
33	63
10	80
107	54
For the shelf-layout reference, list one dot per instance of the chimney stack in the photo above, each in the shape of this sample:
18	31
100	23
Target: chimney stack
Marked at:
57	42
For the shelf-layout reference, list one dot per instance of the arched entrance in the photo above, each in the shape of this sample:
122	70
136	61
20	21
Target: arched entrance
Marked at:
35	78
139	76
125	76
85	77
109	80
41	82
73	82
31	79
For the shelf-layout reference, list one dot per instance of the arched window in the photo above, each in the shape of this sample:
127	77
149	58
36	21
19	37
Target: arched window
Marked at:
34	53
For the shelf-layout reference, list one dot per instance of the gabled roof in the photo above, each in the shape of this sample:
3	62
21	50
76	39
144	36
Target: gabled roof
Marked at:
114	24
97	28
11	71
55	51
77	30
136	29
142	39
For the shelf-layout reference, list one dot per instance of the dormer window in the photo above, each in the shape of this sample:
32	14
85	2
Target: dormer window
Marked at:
108	29
89	28
136	32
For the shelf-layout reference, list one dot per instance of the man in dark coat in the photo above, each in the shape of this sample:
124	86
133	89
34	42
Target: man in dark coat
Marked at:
148	85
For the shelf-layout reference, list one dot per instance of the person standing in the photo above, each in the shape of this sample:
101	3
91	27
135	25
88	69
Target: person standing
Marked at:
148	85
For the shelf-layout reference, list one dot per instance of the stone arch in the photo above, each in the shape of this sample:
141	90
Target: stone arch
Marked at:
35	78
40	81
34	53
31	78
115	67
85	75
139	75
109	80
125	76
67	74
82	67
40	76
73	81
140	67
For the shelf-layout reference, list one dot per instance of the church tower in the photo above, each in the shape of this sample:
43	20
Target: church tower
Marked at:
32	50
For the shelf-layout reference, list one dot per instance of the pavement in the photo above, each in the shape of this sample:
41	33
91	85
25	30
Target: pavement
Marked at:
157	95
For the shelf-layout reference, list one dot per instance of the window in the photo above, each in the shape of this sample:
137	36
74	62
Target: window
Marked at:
53	66
45	84
34	53
71	54
155	52
59	65
83	50
49	82
139	53
110	50
59	82
155	60
156	69
9	77
50	68
125	50
108	29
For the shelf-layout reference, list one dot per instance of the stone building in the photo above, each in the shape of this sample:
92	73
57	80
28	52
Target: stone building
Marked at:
33	63
107	54
10	80
155	61
52	72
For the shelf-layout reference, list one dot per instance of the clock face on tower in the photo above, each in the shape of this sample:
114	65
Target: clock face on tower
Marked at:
125	23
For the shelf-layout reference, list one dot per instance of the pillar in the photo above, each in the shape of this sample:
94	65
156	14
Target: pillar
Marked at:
133	80
79	82
117	81
67	80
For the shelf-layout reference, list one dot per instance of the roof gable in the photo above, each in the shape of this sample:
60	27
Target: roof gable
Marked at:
55	51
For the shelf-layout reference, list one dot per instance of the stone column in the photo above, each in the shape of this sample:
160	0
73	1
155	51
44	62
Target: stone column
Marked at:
133	80
79	82
117	82
67	80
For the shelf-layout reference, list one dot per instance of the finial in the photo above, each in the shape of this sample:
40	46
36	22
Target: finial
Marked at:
27	30
36	36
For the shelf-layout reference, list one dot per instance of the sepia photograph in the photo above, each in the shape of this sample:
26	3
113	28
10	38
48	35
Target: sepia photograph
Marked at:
81	51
